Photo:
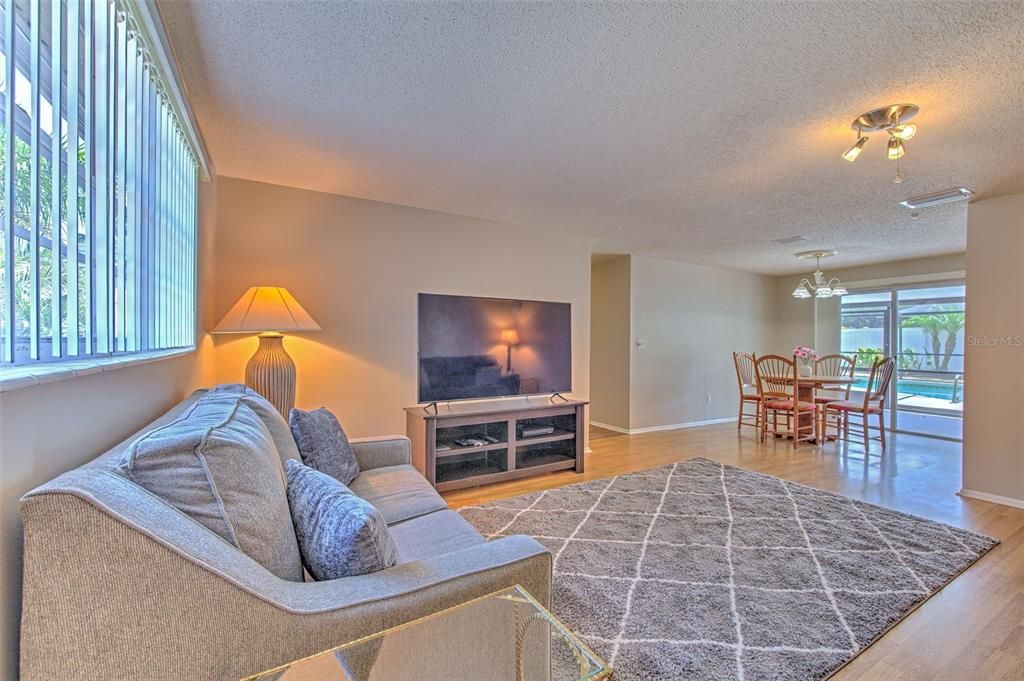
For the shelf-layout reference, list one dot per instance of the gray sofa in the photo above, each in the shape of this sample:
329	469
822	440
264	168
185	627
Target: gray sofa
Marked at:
119	584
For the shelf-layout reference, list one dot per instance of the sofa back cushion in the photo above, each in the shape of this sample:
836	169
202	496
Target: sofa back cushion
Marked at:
268	413
217	463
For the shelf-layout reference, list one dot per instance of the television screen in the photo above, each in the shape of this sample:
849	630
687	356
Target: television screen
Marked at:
472	348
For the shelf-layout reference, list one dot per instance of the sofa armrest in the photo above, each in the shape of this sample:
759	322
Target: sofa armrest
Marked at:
106	569
377	452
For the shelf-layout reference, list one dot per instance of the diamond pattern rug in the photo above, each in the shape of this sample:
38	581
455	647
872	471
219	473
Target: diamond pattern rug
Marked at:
698	570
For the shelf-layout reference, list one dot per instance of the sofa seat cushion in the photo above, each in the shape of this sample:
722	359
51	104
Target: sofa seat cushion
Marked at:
217	464
399	492
432	535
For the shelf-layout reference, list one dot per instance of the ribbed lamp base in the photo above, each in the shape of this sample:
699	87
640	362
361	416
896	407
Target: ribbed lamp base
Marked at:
271	373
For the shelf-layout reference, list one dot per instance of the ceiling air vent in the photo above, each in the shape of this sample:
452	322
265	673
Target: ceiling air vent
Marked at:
786	241
938	198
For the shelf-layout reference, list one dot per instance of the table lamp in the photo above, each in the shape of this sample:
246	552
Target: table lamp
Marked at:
269	311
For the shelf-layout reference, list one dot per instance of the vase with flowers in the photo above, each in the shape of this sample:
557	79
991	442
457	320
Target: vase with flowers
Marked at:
805	358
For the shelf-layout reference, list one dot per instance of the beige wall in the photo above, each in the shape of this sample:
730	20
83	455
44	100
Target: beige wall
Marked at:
993	449
50	428
610	342
690	319
357	266
816	323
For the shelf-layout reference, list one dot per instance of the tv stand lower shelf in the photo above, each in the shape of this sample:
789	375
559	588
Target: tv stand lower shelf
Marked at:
470	444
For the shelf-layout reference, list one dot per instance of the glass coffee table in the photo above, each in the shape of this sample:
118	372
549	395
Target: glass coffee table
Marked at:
505	636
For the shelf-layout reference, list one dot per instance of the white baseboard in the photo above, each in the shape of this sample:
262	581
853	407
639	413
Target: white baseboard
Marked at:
994	498
608	426
670	426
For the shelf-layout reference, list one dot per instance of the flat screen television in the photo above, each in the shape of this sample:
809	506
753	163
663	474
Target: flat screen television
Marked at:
474	348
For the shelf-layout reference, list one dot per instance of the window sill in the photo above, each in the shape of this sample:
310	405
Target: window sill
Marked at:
27	376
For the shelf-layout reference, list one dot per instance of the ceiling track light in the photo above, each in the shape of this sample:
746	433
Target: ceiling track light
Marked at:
819	287
891	120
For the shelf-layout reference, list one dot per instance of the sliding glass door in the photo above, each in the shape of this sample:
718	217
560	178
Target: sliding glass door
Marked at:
923	327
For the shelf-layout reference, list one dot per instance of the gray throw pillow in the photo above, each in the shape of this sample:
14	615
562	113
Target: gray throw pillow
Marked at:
340	534
217	464
323	444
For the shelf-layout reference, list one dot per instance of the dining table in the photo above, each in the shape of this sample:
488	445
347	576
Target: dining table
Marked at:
806	385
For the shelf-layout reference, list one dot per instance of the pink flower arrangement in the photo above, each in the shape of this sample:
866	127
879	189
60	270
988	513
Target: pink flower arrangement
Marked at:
805	353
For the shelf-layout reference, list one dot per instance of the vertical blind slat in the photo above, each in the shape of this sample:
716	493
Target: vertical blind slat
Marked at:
165	231
158	228
73	176
180	327
174	240
154	145
89	218
10	176
139	258
143	214
34	221
131	244
56	182
193	241
104	197
120	126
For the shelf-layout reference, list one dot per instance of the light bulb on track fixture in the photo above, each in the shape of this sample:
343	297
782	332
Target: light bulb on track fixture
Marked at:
904	132
853	152
896	149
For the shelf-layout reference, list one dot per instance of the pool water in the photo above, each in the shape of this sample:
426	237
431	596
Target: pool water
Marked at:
940	391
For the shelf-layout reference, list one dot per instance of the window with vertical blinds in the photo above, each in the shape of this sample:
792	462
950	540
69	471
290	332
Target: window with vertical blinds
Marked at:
98	209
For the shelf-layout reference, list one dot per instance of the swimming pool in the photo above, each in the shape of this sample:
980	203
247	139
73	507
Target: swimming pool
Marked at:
934	389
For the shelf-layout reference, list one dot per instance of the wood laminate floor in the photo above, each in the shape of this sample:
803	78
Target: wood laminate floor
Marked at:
971	630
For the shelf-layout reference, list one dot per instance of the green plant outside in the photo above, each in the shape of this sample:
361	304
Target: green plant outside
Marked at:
942	327
23	222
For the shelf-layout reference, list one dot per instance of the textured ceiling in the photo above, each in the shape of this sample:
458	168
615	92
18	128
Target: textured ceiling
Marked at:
693	131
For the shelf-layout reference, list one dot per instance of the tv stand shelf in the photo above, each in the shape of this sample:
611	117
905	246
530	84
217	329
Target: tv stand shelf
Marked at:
455	451
448	465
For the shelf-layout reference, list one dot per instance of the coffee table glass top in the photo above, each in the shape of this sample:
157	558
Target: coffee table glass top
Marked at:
505	636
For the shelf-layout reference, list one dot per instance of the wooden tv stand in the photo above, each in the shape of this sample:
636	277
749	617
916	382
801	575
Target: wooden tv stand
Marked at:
503	451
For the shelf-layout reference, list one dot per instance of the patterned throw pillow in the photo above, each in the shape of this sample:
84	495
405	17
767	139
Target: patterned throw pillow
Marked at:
323	444
340	535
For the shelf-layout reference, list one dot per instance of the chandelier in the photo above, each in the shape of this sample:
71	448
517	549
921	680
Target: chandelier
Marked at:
890	119
820	287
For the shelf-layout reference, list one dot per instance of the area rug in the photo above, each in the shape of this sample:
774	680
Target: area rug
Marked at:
699	570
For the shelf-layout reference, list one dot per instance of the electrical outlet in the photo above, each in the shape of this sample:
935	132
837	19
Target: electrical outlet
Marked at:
709	398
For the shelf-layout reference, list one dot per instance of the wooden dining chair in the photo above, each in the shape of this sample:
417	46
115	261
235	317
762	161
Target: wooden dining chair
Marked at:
840	366
778	384
747	380
873	404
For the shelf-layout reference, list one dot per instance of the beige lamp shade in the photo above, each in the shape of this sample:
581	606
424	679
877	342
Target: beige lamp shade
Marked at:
510	337
269	311
265	309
